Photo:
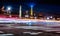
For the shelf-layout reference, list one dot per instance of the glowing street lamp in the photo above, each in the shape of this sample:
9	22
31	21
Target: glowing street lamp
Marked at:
31	10
51	17
9	11
48	18
8	8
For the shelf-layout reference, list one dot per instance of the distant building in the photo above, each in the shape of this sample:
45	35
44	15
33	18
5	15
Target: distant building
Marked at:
27	15
40	15
2	10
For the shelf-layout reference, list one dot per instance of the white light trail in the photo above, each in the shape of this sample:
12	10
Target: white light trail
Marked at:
28	20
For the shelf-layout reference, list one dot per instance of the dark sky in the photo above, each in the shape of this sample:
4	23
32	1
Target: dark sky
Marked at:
50	6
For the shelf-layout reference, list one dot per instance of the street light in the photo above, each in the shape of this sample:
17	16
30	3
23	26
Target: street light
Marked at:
51	17
9	11
31	10
48	18
8	8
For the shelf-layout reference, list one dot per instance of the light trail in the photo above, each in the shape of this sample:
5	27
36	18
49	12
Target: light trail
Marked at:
48	24
25	20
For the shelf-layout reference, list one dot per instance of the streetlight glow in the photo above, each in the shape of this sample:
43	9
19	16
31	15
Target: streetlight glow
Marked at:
8	8
31	5
48	18
9	11
51	17
31	10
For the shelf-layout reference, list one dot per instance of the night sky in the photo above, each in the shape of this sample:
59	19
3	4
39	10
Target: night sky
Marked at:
49	6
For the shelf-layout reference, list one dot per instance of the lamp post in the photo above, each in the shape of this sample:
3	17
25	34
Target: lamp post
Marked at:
9	11
31	11
20	12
